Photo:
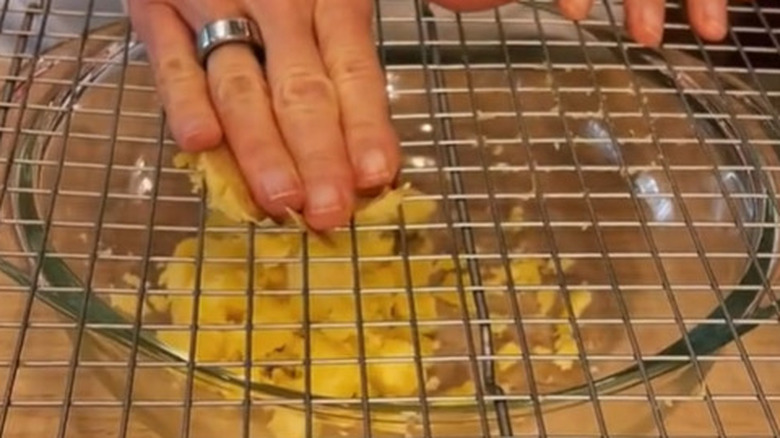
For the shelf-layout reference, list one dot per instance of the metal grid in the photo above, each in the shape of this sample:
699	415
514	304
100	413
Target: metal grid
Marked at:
735	381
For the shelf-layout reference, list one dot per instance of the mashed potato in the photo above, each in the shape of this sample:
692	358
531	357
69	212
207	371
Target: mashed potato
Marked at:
337	289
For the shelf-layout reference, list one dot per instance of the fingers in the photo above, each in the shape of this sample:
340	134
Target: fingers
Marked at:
575	9
469	5
645	20
240	94
181	82
344	34
306	106
709	18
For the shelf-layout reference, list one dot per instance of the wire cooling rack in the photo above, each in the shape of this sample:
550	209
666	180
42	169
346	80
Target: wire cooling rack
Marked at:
685	266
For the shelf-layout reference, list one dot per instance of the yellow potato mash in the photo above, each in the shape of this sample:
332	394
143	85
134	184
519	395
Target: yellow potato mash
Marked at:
340	285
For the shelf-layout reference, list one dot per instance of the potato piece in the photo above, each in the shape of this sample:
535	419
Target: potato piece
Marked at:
220	300
424	306
287	423
223	277
217	219
397	378
330	307
267	342
178	340
418	211
275	245
324	274
527	271
126	304
384	210
546	300
508	349
327	274
211	310
273	310
231	251
452	298
464	389
333	380
550	267
270	277
131	280
211	345
580	301
227	190
380	275
423	271
233	350
377	306
276	309
287	379
347	336
180	275
564	343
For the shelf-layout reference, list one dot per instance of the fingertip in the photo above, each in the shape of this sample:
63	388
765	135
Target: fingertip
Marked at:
328	205
470	5
712	30
280	209
649	35
198	134
645	21
276	203
709	19
575	9
377	165
713	34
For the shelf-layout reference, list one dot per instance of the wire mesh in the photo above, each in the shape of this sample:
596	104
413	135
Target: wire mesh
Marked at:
644	183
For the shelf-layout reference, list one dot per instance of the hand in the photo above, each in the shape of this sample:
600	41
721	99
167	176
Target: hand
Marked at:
310	128
644	18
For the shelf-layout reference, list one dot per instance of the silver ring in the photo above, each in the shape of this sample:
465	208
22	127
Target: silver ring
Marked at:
228	31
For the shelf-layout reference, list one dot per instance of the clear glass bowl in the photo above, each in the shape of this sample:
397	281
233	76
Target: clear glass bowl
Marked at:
639	207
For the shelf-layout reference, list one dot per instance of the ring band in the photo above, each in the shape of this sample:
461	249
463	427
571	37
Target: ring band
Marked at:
228	31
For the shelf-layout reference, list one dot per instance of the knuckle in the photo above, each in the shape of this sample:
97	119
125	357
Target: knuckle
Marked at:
304	91
176	71
253	144
363	130
320	159
353	66
320	154
356	11
237	87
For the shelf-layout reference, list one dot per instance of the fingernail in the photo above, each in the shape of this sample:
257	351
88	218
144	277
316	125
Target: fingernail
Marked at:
278	184
373	166
324	198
